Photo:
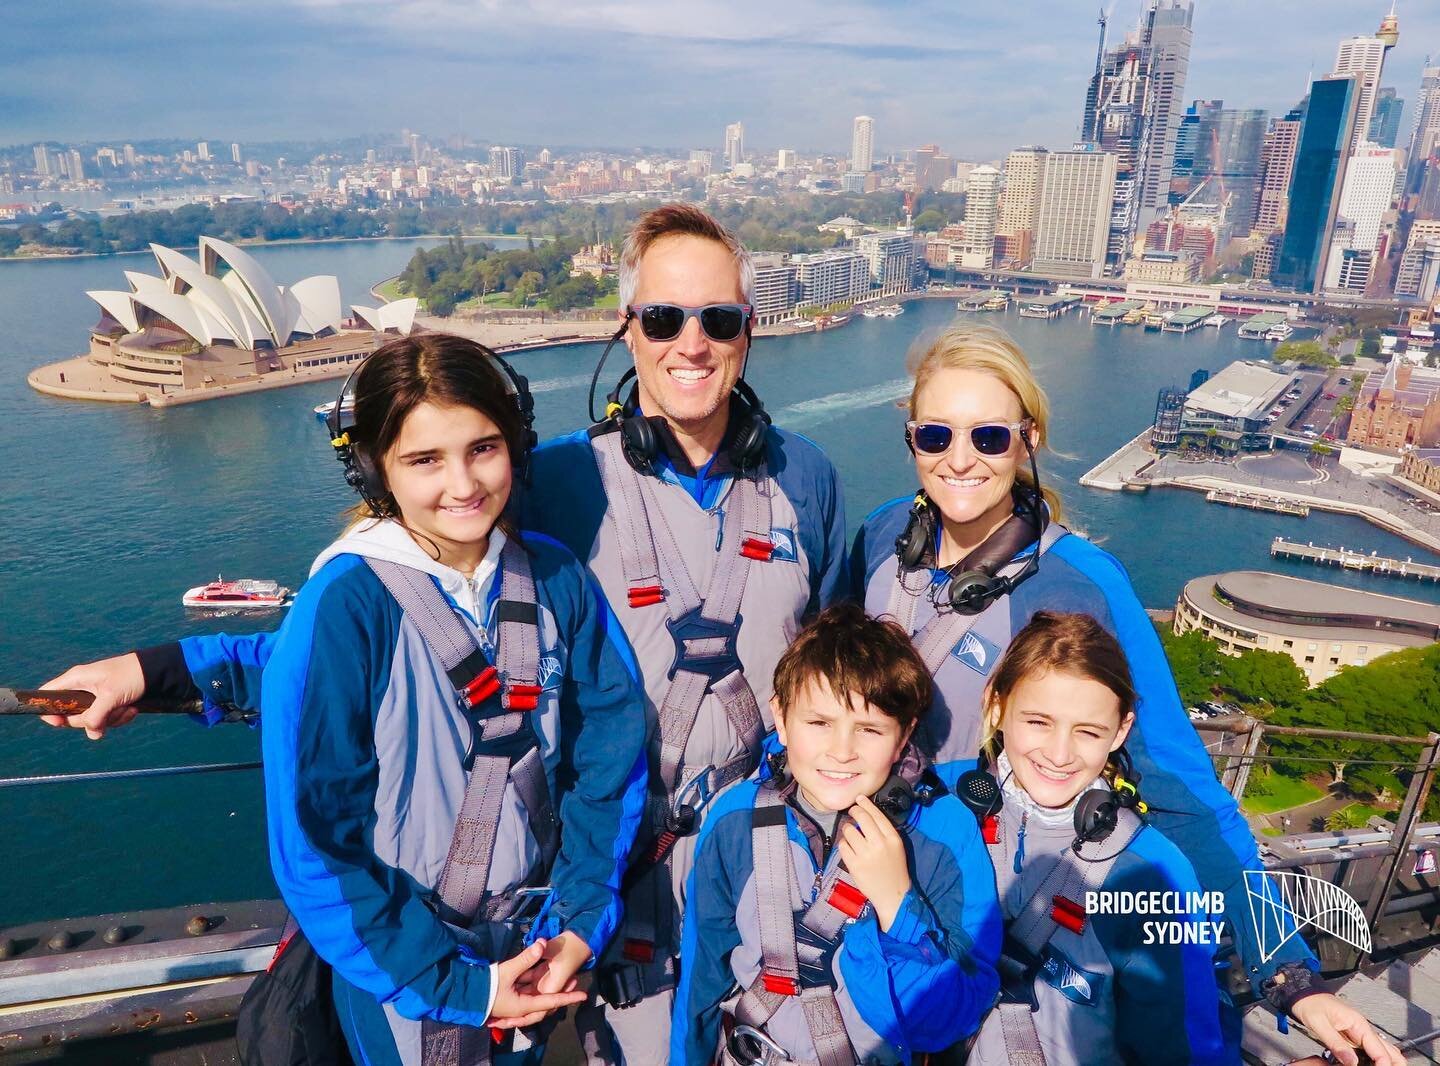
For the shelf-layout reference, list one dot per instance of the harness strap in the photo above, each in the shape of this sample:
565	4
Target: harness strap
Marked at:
1071	877
514	677
783	954
939	635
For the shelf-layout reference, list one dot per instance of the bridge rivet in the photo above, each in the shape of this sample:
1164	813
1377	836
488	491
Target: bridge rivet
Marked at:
197	925
7	948
61	941
114	935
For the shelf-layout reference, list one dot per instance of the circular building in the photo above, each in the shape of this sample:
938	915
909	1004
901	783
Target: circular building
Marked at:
1322	627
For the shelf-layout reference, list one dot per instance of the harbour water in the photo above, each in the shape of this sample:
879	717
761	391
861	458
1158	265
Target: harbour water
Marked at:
111	511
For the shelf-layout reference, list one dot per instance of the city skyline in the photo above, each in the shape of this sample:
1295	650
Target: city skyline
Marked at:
1008	76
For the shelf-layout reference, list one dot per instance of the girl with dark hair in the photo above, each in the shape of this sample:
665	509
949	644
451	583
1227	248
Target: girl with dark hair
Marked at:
1087	977
453	732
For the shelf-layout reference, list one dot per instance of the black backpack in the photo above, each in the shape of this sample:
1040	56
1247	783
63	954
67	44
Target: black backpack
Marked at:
287	1017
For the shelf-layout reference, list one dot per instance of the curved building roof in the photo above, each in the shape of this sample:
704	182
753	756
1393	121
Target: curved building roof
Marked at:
226	297
1294	606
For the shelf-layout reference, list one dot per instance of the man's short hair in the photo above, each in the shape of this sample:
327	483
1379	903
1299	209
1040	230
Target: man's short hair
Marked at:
857	655
678	220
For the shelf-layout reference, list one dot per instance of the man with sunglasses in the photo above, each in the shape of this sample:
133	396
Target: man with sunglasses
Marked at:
712	535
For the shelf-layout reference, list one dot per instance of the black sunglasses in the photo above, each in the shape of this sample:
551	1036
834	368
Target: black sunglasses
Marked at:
663	322
987	438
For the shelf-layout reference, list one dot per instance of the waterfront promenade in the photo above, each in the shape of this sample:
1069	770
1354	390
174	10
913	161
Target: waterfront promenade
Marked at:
1322	483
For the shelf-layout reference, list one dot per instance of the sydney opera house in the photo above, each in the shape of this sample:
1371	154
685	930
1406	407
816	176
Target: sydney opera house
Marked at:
215	324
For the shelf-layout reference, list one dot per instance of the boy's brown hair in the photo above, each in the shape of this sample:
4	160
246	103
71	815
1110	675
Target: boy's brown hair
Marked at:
856	655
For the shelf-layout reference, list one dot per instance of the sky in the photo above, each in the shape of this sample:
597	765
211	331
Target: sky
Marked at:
976	77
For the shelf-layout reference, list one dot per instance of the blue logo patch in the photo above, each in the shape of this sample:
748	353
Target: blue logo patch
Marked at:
976	652
1075	984
549	671
785	550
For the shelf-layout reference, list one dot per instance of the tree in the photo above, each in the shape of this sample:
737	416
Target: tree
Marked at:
1349	817
1307	353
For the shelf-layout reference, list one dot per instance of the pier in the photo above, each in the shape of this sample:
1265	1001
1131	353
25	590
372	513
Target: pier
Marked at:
1114	313
1047	306
1380	565
1257	326
989	300
1255	502
1183	321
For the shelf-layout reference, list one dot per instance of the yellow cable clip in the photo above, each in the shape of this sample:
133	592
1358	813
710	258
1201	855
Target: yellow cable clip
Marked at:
342	441
612	409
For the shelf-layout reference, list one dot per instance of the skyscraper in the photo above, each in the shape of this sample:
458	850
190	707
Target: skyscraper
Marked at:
1277	166
1365	58
1365	198
42	161
1426	131
1020	203
77	165
235	156
1072	232
786	159
1320	159
1385	125
1167	34
1228	154
1133	109
202	151
862	144
734	144
982	195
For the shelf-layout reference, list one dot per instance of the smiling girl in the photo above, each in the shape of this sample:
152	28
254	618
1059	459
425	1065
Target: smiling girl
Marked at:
1104	987
452	737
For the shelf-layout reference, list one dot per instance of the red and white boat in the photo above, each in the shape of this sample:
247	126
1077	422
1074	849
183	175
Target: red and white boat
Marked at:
247	592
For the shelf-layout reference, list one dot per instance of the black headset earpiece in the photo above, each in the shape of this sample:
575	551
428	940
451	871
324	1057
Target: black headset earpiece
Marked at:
1096	816
918	536
748	448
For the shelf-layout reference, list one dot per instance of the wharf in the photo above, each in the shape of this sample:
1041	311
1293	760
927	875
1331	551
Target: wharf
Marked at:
1187	319
1113	314
1256	326
1047	306
1254	501
989	300
1118	470
1380	565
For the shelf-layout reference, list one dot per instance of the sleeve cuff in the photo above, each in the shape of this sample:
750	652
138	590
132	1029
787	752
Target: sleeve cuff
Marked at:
1290	984
167	676
909	926
494	990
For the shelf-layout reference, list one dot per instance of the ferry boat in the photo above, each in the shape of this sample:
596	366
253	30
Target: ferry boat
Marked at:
1133	318
347	407
1280	331
890	311
1217	320
246	592
1155	321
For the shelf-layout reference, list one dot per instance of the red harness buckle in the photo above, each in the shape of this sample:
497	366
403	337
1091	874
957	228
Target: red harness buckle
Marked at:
522	697
757	548
484	685
780	984
498	1035
990	829
638	950
645	595
847	899
1068	914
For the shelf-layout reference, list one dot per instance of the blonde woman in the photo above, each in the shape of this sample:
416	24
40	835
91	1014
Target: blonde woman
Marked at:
963	565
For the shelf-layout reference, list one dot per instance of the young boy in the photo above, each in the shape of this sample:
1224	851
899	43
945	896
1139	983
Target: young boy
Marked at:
848	895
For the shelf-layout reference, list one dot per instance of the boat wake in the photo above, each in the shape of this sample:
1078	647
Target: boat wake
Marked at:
574	381
823	408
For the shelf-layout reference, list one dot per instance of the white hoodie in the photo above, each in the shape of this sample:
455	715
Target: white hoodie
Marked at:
387	540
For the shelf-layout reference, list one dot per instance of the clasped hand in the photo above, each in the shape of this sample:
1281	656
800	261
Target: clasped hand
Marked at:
538	980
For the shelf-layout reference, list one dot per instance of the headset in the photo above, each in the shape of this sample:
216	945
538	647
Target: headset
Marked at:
639	435
1097	810
364	477
974	584
912	784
